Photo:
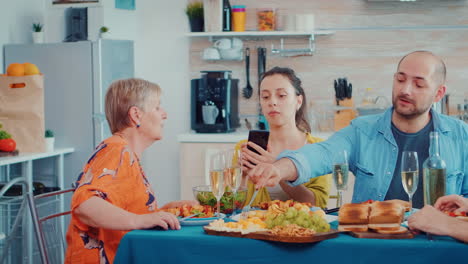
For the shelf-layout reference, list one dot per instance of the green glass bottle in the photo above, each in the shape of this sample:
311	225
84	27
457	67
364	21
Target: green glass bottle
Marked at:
434	172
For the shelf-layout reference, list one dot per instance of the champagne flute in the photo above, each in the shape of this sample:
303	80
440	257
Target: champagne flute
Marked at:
233	173
340	173
410	174
217	162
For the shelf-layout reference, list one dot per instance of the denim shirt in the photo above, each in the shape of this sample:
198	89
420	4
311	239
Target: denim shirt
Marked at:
373	154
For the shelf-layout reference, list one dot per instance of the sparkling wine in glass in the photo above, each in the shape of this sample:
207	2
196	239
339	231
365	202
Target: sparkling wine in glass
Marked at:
233	173
217	162
340	173
410	173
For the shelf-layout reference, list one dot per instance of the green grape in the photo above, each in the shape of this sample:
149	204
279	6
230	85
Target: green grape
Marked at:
299	222
277	222
280	218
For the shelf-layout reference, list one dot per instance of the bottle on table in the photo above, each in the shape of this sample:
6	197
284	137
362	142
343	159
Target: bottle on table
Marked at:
434	172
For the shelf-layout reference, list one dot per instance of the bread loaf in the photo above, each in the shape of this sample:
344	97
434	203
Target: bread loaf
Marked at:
386	215
405	204
353	217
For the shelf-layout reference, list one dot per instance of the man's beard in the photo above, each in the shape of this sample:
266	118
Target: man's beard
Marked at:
407	113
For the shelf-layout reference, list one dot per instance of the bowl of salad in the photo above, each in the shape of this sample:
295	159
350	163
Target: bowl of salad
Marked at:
204	196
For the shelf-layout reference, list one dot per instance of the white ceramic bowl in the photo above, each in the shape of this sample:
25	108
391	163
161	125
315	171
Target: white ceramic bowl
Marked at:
231	54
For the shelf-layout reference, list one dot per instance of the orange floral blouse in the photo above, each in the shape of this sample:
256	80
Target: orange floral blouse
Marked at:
114	174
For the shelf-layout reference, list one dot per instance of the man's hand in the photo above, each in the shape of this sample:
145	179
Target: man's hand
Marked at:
452	203
265	174
429	219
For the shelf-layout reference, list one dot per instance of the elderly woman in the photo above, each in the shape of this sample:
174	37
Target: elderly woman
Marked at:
284	105
112	193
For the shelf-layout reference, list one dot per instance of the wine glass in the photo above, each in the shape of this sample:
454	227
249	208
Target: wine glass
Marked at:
340	173
217	162
233	173
410	174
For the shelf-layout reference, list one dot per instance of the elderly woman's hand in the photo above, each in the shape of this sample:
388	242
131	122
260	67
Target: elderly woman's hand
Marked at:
180	203
250	158
162	219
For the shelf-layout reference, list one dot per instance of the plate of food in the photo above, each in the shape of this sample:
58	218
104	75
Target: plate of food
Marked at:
197	221
197	214
281	222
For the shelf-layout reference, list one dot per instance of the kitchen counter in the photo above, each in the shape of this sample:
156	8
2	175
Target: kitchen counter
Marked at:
192	137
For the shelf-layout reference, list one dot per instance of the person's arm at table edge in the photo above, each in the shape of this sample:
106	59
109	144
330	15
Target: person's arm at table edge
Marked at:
97	212
287	169
458	229
314	160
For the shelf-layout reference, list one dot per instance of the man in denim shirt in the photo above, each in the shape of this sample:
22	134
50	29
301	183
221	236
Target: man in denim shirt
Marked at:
375	142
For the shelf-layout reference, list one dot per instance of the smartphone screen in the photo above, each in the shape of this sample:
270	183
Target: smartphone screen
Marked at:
259	137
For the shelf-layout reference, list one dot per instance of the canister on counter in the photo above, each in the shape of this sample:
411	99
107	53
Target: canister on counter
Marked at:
266	19
238	18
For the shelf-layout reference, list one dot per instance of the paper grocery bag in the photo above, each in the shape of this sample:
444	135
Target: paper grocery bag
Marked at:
22	111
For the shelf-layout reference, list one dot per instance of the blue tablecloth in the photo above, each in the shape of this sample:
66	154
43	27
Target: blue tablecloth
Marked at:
192	245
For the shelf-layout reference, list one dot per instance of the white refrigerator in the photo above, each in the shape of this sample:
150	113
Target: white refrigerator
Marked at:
76	77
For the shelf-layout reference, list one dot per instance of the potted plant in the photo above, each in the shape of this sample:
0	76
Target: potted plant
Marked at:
50	140
38	34
103	32
194	12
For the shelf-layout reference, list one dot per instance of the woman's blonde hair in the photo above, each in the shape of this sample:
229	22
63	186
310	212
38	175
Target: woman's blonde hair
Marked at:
122	95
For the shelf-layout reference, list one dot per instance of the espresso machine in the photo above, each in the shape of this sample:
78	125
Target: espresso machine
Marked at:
214	102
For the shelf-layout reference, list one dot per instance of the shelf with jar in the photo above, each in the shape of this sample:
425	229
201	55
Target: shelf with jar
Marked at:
224	52
260	34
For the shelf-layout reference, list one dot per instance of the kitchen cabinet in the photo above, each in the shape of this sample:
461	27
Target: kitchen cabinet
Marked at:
47	168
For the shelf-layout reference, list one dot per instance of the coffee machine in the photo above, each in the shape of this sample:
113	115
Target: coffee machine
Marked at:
214	102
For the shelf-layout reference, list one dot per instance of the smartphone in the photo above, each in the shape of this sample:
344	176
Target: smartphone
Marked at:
259	137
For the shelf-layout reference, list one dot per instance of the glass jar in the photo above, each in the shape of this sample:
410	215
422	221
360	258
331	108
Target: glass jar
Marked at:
238	18
266	19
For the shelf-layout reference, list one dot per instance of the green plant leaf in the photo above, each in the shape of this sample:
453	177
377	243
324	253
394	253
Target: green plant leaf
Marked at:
194	10
49	133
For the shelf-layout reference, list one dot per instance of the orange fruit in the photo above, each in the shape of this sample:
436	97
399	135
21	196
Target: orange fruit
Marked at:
30	69
15	69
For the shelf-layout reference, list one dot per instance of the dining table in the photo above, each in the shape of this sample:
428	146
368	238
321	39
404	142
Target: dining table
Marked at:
192	245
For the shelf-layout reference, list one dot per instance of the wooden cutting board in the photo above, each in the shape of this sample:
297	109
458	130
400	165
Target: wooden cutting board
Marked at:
381	236
270	237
